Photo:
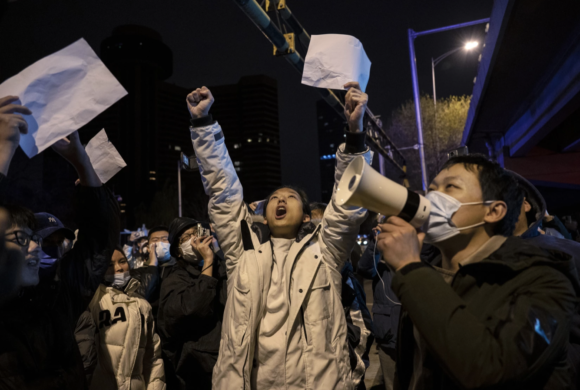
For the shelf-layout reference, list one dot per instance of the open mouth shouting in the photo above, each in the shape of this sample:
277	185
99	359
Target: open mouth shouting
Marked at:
280	212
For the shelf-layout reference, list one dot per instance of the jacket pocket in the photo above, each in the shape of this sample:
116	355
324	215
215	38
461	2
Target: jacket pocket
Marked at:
241	313
317	303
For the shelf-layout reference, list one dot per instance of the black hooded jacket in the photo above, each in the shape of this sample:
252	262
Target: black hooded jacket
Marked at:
38	349
191	311
571	248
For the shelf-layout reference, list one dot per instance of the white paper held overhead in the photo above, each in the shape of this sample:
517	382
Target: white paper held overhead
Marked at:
333	60
104	157
64	91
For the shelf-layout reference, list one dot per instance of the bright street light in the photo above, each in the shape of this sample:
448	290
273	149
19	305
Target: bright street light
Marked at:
471	45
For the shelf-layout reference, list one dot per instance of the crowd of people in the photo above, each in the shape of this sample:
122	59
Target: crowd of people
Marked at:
269	295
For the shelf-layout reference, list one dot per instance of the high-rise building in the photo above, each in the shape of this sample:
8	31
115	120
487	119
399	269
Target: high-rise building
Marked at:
330	135
248	114
150	129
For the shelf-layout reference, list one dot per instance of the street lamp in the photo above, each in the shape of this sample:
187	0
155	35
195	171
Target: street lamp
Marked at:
411	35
467	47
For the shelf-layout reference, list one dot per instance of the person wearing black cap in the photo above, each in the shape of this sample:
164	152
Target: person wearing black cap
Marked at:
56	241
191	306
38	349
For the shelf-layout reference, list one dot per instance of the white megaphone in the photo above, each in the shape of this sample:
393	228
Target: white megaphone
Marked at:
362	186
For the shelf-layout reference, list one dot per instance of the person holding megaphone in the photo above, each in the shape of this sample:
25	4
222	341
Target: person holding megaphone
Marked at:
496	313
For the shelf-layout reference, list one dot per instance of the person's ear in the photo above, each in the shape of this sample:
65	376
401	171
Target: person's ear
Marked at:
265	221
527	205
306	218
496	212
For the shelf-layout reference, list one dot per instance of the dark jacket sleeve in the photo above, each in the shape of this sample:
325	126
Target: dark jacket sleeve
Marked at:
184	298
148	277
81	270
530	331
366	264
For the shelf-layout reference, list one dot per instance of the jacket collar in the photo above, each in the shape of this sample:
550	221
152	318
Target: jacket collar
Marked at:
264	234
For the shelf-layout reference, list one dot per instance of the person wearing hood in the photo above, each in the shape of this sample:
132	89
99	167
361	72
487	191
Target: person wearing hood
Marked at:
128	350
497	313
191	306
529	222
56	241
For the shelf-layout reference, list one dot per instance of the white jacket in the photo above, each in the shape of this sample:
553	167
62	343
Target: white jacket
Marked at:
128	349
313	267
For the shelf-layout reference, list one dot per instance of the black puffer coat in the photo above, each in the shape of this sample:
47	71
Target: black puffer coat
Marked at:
190	316
38	349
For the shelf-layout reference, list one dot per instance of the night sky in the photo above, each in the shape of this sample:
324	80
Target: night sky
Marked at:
214	43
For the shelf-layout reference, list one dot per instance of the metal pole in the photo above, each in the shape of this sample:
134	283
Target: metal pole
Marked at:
433	75
417	109
179	187
447	28
412	35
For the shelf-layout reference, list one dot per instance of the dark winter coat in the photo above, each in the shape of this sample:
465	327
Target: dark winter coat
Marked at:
572	248
38	349
503	323
386	305
386	309
190	318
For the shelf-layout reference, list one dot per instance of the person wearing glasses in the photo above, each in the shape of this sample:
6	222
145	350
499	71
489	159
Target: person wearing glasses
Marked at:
38	349
158	267
191	306
22	234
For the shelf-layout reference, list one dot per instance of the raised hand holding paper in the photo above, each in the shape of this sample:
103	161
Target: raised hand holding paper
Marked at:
333	60
104	157
64	91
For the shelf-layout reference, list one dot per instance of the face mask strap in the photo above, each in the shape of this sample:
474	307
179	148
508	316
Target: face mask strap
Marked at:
474	203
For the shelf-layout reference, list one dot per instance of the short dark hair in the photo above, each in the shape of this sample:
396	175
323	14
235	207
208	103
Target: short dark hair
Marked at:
156	229
299	191
496	184
318	206
20	216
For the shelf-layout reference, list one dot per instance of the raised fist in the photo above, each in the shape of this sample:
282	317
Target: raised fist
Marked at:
199	102
355	106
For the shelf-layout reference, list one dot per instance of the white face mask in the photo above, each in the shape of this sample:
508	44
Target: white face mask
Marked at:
118	280
188	253
439	226
162	251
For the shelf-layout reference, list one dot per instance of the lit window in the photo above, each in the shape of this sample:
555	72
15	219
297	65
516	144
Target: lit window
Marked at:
151	178
250	140
237	146
152	172
238	169
332	145
178	148
237	163
325	123
267	139
123	204
260	139
122	211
